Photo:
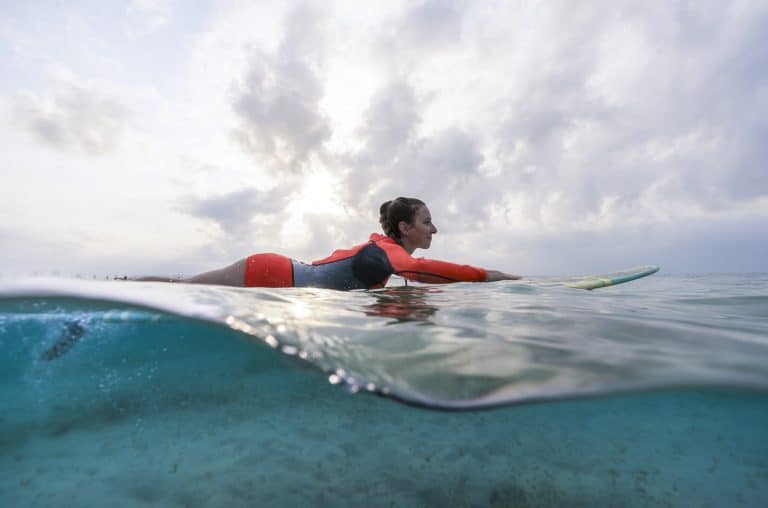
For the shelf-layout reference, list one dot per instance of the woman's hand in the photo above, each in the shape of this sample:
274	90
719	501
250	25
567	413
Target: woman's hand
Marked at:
494	275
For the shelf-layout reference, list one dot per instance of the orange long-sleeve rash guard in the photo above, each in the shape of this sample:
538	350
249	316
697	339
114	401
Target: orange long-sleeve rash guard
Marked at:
369	265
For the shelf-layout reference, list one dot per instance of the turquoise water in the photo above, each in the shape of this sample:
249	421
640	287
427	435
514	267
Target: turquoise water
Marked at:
652	393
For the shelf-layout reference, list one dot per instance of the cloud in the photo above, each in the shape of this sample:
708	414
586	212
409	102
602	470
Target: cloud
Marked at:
422	30
390	123
156	12
544	129
441	168
71	115
640	119
234	212
278	101
605	121
732	243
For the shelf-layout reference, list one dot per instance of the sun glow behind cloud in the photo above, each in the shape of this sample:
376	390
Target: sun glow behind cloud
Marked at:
318	197
319	194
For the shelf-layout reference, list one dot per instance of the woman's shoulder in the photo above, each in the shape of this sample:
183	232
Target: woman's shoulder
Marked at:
394	251
378	237
339	254
385	242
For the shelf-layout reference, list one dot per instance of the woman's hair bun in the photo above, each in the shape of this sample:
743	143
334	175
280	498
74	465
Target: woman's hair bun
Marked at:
392	213
384	216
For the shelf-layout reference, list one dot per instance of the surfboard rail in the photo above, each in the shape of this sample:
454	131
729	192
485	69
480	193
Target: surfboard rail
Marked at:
611	279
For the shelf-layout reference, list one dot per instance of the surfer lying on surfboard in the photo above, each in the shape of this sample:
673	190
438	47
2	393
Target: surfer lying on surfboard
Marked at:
407	225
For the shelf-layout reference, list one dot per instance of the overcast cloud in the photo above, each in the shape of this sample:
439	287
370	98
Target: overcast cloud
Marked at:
234	211
70	115
278	100
546	137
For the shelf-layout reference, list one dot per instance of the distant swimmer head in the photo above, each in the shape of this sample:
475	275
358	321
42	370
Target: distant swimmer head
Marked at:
407	221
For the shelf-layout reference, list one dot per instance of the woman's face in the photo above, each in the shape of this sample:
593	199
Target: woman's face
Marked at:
419	234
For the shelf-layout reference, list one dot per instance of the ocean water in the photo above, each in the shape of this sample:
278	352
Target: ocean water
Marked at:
651	393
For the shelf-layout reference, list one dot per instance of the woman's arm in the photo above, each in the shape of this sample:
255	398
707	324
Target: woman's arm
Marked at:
494	275
433	271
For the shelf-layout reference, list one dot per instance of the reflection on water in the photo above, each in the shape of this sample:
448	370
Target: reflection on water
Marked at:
406	303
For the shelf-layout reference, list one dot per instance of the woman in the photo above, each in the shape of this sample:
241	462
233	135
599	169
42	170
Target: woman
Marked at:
407	225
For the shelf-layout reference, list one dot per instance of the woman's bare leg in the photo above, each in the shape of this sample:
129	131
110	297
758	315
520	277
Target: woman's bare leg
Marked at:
151	278
232	275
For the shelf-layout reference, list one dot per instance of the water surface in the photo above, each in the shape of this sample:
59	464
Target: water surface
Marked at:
506	394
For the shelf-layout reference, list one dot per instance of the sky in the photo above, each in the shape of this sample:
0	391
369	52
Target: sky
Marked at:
547	137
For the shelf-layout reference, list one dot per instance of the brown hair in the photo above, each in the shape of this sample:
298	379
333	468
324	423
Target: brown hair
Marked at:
396	210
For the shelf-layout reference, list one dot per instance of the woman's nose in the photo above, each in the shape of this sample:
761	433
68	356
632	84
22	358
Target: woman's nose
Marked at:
434	229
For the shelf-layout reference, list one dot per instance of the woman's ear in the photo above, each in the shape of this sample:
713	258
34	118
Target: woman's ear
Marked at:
403	227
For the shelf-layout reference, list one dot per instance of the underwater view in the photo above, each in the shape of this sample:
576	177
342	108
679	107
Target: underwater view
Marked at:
516	393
